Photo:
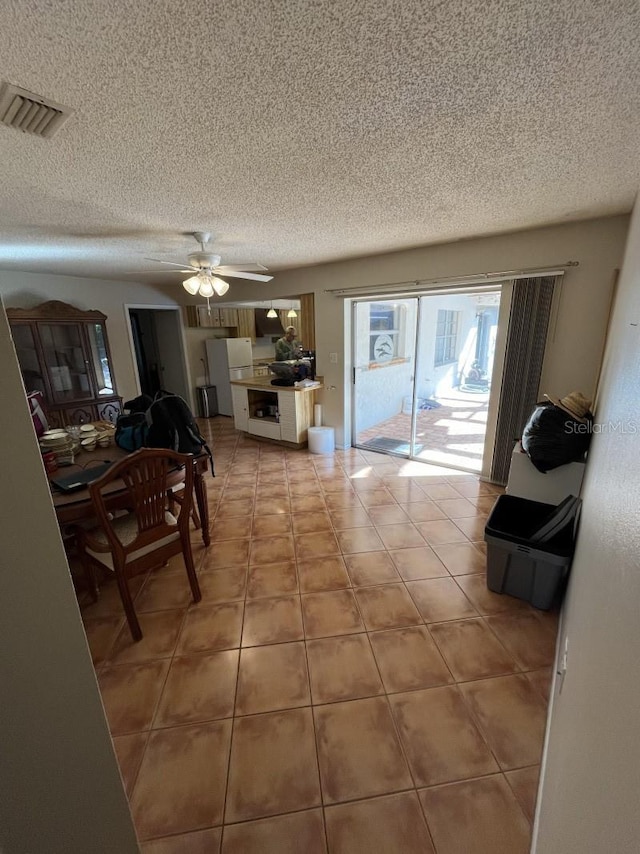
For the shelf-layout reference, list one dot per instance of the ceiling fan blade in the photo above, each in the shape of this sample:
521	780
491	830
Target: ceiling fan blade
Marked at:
172	264
237	275
157	272
241	268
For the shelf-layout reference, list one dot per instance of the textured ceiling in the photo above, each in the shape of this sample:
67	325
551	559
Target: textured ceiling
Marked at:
302	131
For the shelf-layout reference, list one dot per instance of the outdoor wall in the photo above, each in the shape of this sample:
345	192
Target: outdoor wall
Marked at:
25	290
590	787
61	789
576	337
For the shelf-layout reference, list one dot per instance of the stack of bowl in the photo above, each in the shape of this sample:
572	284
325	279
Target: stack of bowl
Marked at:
60	443
106	431
88	437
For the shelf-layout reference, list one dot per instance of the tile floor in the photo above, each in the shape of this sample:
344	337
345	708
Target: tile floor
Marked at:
347	684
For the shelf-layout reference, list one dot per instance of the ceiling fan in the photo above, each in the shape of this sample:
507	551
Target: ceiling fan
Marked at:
205	270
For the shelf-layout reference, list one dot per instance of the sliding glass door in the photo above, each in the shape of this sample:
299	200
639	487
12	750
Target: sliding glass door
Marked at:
423	375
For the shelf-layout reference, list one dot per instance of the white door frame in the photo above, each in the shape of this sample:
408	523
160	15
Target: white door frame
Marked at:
183	345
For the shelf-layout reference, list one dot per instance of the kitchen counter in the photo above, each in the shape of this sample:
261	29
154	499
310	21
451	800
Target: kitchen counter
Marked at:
265	383
278	413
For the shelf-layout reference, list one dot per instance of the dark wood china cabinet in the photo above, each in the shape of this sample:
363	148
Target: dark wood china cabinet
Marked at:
64	353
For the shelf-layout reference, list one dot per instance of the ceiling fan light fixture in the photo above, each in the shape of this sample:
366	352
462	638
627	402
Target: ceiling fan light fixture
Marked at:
219	285
192	285
206	287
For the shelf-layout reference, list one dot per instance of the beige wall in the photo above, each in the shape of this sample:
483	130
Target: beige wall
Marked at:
575	346
590	791
61	789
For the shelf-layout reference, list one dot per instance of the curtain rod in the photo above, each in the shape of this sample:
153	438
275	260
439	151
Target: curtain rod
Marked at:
452	281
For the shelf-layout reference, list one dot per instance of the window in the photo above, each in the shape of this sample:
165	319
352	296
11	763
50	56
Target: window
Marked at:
446	338
384	332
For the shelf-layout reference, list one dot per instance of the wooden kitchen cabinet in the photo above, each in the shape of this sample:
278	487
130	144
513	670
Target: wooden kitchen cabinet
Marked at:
229	318
293	410
64	353
246	323
212	317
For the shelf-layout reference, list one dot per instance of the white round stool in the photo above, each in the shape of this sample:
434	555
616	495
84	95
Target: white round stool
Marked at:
321	440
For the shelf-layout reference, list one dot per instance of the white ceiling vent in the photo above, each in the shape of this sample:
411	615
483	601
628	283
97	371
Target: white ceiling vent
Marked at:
31	113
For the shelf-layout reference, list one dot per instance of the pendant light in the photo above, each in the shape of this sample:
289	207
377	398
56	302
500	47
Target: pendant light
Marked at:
292	312
272	312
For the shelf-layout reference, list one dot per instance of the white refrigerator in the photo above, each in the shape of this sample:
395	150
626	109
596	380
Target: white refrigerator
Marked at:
228	359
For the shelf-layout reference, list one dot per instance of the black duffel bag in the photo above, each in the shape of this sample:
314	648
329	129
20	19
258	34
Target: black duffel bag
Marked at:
553	438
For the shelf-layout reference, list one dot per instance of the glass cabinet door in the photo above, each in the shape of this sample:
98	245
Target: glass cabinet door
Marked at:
100	358
66	361
28	358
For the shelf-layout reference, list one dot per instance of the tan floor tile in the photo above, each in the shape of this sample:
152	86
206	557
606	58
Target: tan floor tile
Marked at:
271	678
271	550
198	688
199	842
387	606
528	640
272	506
271	526
471	650
541	681
485	504
311	523
308	503
235	491
181	783
457	508
306	475
296	833
268	621
270	488
485	602
276	579
409	659
331	613
416	563
472	527
367	483
211	627
406	493
350	518
129	750
394	823
376	498
441	740
481	816
273	766
310	546
440	492
387	514
342	668
109	603
342	500
237	507
227	553
371	568
101	635
164	593
461	558
440	599
441	531
160	631
130	694
524	783
403	536
512	716
358	540
332	485
424	511
223	585
324	573
358	750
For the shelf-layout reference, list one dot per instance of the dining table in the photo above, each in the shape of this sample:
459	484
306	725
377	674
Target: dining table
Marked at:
73	508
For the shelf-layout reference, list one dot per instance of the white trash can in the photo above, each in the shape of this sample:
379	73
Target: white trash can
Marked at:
321	440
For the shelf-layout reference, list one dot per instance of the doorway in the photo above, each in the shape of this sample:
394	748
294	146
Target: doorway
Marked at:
423	375
158	350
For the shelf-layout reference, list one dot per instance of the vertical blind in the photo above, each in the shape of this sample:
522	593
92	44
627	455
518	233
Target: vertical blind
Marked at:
526	340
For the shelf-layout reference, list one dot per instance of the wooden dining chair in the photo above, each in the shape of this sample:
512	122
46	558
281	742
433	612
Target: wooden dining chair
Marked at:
135	531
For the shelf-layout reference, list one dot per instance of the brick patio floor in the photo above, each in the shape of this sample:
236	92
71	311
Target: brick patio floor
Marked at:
451	435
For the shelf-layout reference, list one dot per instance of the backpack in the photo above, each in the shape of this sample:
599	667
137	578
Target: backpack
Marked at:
170	424
131	431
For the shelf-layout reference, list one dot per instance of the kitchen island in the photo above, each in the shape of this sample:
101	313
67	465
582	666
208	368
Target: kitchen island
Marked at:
286	411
